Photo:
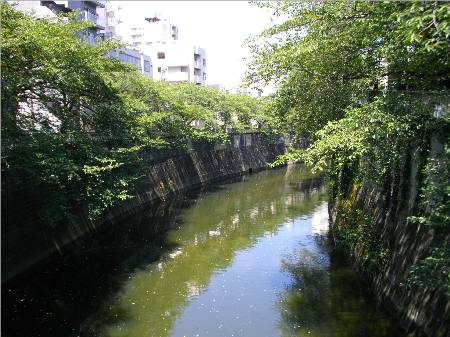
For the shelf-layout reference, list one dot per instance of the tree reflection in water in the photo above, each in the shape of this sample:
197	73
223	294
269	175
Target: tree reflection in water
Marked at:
208	266
326	297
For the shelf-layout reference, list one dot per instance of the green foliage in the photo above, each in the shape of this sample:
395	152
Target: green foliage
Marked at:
355	230
330	56
376	134
78	125
433	271
225	112
292	155
49	78
435	197
365	81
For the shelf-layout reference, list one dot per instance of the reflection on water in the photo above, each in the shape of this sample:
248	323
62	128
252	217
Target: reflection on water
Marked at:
248	259
326	297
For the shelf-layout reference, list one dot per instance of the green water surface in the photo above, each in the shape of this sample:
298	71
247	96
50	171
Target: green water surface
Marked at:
249	259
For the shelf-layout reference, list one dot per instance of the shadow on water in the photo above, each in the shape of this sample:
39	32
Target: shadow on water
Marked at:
196	264
328	298
208	236
56	296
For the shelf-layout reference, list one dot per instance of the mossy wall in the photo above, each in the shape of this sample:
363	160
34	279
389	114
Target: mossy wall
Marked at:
371	220
26	240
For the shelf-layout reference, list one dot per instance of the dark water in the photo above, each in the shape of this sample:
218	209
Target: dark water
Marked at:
249	258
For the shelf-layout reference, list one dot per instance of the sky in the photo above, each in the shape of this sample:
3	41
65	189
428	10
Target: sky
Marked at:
220	27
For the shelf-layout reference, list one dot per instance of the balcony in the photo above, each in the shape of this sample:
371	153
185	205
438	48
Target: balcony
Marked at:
88	16
197	64
91	17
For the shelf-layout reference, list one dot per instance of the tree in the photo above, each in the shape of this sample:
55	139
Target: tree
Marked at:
63	122
366	82
333	55
78	126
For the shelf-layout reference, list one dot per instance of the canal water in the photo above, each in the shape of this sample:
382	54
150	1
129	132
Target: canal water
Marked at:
246	258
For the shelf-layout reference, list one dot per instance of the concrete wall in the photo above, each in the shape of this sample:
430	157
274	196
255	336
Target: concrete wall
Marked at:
26	241
421	311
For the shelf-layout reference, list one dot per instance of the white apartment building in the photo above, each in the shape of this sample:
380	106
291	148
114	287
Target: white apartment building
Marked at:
95	12
115	22
141	61
151	30
173	60
88	11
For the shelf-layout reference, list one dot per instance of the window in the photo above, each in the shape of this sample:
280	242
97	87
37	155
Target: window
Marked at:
204	76
159	69
161	55
147	66
204	62
130	59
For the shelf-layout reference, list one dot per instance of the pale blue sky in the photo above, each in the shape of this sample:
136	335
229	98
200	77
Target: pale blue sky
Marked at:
218	26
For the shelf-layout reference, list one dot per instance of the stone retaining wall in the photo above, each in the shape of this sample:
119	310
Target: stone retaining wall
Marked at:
25	241
421	311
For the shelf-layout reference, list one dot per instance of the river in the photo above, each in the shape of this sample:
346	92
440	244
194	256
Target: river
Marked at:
246	258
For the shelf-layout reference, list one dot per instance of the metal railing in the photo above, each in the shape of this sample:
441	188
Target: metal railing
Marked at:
88	16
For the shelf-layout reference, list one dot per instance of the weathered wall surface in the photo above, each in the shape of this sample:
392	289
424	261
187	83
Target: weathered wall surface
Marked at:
26	241
421	311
